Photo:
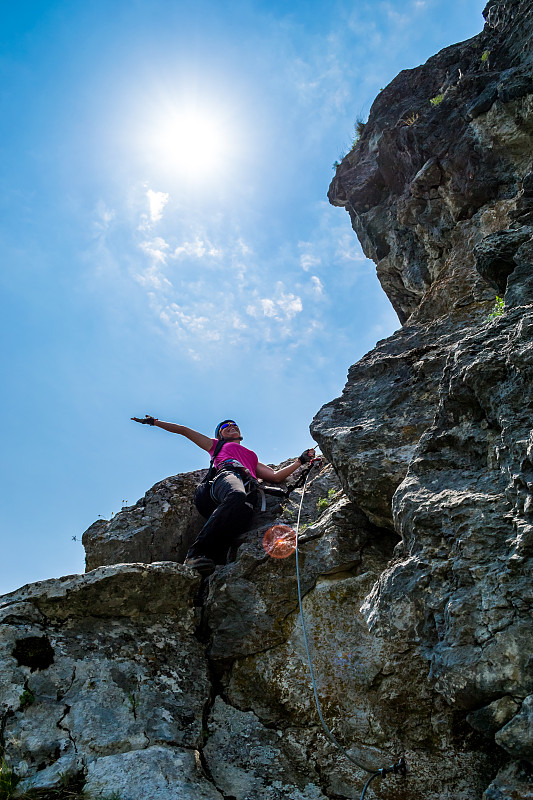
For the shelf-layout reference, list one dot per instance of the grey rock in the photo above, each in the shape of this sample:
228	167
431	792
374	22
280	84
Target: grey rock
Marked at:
249	598
514	84
110	664
158	773
520	282
491	718
513	782
161	526
480	137
483	103
517	736
247	760
495	256
390	399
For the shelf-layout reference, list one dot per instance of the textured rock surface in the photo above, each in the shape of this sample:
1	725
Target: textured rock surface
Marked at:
97	665
428	181
433	436
157	773
159	527
142	680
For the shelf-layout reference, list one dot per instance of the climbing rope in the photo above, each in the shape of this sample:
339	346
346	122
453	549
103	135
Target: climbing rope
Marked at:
396	768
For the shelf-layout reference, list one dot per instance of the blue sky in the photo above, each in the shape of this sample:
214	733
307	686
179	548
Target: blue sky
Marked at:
167	244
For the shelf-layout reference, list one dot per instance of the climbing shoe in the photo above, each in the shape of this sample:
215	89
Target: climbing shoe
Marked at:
203	564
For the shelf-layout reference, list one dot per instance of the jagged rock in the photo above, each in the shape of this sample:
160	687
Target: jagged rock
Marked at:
491	718
464	515
162	525
390	399
98	665
495	256
517	736
520	281
513	782
249	599
470	118
420	188
248	761
365	690
159	527
158	773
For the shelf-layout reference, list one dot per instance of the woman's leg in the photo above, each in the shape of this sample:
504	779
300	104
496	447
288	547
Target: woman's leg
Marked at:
231	517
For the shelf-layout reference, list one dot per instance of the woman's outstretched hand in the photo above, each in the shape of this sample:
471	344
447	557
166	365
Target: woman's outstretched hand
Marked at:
307	456
148	420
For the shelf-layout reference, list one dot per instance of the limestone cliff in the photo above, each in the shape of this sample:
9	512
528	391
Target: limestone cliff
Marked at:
139	679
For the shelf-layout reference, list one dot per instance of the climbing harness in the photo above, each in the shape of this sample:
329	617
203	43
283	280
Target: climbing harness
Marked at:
397	768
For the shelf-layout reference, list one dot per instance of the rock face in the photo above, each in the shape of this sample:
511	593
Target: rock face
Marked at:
159	527
432	437
140	679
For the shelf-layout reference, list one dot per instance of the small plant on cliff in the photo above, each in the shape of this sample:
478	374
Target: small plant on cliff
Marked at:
8	781
497	309
26	699
437	100
323	502
411	119
359	128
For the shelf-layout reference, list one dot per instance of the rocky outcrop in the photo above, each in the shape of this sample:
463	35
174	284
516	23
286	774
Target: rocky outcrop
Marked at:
99	667
432	437
159	527
444	162
141	679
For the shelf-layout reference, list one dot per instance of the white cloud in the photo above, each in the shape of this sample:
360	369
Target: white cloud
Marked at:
196	249
283	306
318	286
290	304
156	250
245	249
308	261
269	307
189	323
157	202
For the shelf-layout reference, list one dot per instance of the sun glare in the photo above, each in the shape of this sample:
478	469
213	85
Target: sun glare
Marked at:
192	142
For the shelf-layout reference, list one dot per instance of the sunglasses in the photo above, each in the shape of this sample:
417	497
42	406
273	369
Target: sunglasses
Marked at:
227	424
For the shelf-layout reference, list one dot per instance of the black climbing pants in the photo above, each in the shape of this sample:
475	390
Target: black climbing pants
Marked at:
232	515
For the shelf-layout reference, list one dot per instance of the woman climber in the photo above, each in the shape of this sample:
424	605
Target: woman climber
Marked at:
227	501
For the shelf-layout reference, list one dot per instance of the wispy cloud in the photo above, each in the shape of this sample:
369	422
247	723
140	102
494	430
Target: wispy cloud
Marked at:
318	286
157	202
197	249
156	205
308	260
282	305
104	216
204	285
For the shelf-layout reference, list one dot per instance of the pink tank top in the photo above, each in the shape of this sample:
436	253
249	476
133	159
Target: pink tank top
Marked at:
235	450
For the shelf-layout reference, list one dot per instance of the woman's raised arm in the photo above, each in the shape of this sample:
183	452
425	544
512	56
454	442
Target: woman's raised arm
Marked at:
205	442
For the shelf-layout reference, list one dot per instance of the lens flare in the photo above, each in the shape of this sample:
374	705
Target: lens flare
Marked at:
280	541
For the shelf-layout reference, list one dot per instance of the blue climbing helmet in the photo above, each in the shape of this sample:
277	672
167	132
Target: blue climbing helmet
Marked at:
220	425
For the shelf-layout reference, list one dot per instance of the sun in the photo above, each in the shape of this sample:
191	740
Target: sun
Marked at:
190	141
